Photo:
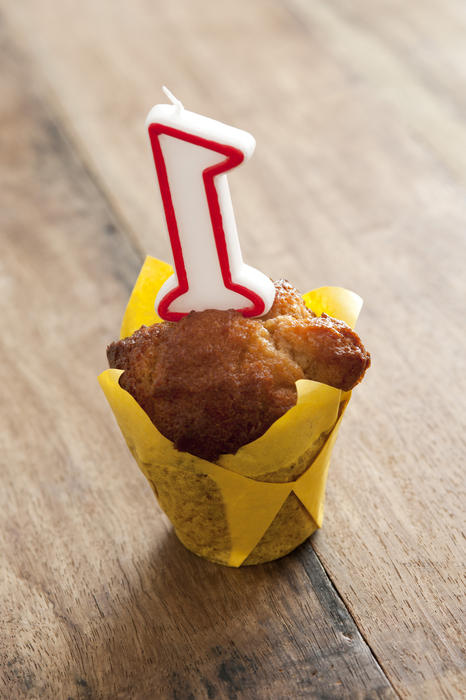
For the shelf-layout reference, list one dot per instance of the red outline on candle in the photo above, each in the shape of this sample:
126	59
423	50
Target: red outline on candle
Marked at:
233	158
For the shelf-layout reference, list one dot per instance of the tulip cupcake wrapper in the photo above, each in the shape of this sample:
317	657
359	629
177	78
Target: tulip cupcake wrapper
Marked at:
265	500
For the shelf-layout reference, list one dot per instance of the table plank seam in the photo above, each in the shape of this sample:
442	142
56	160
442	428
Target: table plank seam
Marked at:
75	144
338	601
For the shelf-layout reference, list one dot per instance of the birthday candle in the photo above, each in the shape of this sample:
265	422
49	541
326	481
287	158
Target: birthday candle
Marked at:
192	156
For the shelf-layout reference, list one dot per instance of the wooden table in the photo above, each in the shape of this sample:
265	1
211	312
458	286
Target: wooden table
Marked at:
358	180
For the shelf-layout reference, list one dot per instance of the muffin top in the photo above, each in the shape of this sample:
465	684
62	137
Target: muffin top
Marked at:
215	380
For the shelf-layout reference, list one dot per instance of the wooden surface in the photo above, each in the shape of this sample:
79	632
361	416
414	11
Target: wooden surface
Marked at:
359	180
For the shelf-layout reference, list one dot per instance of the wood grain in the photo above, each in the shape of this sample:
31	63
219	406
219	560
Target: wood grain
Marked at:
358	180
98	598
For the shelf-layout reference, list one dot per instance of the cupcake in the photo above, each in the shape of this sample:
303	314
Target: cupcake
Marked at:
233	419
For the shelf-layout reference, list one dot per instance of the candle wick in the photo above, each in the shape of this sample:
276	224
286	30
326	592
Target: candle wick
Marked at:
173	99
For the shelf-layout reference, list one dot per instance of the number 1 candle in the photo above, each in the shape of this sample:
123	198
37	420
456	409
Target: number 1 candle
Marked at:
192	156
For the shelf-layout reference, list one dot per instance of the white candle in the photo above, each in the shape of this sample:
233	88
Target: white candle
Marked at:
192	155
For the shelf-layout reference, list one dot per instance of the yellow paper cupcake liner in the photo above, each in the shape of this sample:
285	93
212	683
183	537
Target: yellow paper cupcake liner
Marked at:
261	502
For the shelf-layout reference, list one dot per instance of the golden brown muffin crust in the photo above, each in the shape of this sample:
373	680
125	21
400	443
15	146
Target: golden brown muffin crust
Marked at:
215	380
287	302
